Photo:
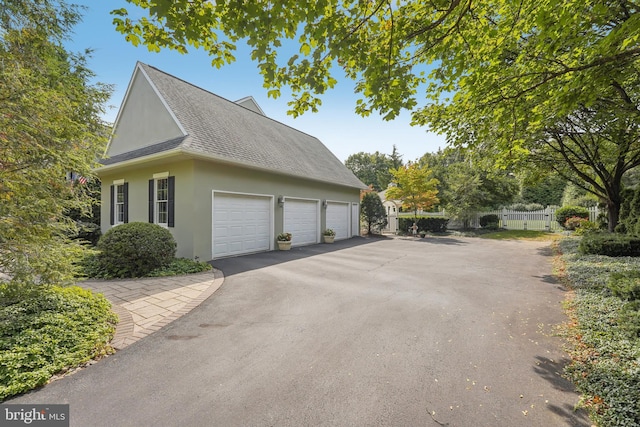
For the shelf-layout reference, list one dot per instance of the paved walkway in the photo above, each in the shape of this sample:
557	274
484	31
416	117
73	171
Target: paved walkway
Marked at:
145	305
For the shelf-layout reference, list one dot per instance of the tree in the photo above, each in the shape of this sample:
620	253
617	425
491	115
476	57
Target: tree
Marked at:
49	125
545	190
593	148
415	187
495	72
469	190
374	168
372	211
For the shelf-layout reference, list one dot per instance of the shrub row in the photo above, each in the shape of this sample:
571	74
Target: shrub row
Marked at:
430	224
491	221
609	244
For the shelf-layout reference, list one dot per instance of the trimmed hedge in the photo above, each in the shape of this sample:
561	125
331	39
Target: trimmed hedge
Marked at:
135	249
614	245
433	225
566	212
490	221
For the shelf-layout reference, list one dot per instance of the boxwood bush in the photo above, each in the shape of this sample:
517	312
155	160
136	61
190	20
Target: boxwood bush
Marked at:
490	221
566	212
135	249
610	244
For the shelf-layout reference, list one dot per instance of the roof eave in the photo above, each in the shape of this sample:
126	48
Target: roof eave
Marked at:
138	160
164	155
211	157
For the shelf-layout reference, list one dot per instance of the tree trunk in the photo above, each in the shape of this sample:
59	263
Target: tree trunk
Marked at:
614	200
613	211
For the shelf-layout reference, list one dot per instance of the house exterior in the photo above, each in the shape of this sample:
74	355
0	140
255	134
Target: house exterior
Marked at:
220	175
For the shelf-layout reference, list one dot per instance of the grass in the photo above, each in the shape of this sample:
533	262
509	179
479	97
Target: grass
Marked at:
520	235
605	358
46	330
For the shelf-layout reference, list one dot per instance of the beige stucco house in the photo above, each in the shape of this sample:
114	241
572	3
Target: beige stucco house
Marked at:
220	175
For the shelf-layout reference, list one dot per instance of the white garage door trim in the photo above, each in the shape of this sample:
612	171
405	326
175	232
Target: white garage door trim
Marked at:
241	223
301	218
339	218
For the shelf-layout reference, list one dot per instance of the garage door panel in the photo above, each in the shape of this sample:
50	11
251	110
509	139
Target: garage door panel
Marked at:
301	219
241	224
338	219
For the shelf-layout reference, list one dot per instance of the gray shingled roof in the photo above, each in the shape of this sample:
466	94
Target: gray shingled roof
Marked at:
145	151
224	130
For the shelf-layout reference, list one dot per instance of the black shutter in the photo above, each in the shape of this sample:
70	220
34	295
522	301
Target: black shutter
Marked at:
126	202
112	205
151	191
171	201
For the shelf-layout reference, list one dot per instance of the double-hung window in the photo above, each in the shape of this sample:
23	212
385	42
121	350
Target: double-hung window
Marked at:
162	202
161	199
119	202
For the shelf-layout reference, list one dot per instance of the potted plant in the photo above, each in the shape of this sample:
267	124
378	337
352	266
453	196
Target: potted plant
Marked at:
284	241
328	235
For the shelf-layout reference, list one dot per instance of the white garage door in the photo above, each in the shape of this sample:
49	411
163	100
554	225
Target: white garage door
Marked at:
301	220
338	219
241	224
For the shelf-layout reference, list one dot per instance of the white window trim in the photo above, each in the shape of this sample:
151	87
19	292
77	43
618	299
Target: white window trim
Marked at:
119	183
156	211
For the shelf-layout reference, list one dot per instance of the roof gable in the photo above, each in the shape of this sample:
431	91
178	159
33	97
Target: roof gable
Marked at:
219	129
250	103
144	118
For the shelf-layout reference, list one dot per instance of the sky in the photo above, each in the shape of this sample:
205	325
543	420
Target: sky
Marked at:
336	124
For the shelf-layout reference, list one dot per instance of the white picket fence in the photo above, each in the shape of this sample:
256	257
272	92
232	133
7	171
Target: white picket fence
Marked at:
544	219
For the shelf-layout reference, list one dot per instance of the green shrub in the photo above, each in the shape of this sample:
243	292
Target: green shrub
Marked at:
46	329
609	244
630	319
566	212
624	216
180	266
491	221
526	207
574	222
625	285
135	249
586	226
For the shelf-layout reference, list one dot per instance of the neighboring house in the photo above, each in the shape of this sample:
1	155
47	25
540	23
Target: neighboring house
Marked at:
221	176
392	207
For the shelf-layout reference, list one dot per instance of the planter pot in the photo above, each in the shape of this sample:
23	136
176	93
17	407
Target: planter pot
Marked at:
328	239
284	246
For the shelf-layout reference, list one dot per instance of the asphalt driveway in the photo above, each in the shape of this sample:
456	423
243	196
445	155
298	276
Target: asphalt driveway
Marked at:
393	332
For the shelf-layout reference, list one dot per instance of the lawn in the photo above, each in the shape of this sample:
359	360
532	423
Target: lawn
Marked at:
521	235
